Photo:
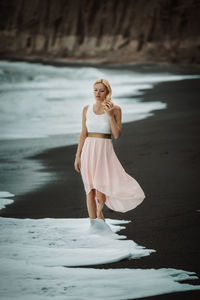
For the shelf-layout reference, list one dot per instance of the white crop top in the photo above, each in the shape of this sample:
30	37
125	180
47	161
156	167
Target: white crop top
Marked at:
97	123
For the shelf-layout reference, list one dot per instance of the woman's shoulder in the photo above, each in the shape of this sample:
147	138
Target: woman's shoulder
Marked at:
117	108
85	108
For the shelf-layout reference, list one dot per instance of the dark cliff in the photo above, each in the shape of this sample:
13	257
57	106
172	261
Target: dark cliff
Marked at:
112	30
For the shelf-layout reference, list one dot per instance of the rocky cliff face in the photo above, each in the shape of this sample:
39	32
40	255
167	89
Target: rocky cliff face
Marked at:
110	30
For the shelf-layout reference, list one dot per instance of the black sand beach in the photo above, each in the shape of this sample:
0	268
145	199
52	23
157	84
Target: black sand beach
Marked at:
162	153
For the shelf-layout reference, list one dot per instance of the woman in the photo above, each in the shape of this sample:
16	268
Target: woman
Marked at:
105	180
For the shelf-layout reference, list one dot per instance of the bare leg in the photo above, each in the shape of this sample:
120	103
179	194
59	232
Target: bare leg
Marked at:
101	201
101	216
91	204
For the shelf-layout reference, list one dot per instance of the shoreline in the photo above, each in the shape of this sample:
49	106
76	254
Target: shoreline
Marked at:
164	160
95	62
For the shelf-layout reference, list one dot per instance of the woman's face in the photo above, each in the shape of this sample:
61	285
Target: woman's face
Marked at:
100	91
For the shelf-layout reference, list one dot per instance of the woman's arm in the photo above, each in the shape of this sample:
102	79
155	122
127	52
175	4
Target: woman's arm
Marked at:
84	133
115	122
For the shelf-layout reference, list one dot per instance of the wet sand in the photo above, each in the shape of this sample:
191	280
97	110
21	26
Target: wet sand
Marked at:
162	153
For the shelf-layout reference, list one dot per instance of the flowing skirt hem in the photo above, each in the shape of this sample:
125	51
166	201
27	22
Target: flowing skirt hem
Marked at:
116	203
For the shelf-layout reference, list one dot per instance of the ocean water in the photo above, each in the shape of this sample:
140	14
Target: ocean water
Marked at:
38	100
41	108
41	259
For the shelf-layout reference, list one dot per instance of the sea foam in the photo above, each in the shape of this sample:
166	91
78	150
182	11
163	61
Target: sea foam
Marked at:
49	258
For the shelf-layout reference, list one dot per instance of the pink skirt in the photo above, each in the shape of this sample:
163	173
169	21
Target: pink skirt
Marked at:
101	170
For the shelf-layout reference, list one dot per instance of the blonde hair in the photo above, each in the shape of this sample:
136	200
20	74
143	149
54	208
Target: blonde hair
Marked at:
107	85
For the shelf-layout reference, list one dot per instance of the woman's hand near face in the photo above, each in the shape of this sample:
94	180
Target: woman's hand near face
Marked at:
109	108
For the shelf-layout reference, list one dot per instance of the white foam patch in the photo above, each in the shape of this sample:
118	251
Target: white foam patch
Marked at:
68	242
38	256
3	200
24	281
